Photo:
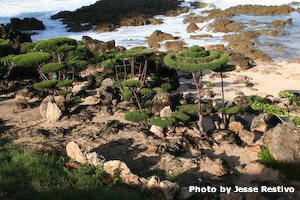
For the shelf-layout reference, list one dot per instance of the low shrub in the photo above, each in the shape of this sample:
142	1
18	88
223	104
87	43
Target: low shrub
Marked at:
267	108
65	83
230	110
146	91
191	109
254	98
137	115
45	84
127	94
131	83
166	87
149	103
73	100
63	92
52	67
163	121
181	116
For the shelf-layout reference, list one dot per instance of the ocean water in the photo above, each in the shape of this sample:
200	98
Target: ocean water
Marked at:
129	37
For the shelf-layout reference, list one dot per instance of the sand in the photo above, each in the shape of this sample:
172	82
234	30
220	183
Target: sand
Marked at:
268	78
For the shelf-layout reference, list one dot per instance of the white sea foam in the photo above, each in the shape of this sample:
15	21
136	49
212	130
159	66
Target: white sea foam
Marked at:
129	37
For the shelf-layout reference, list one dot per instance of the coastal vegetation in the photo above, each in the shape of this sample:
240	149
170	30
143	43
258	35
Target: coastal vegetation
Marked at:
131	129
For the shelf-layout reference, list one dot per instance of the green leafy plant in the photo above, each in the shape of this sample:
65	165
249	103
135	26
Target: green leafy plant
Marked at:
163	121
295	100
296	120
267	108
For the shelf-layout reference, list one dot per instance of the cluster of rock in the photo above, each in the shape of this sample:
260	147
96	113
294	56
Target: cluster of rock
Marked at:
15	37
110	14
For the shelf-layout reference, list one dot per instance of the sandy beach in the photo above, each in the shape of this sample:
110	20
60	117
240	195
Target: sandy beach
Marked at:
265	79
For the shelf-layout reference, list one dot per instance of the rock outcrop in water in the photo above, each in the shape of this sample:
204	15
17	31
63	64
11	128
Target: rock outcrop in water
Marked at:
127	12
26	24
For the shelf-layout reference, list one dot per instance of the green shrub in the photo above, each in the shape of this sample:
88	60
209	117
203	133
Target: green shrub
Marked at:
63	92
181	116
230	110
131	83
127	94
191	109
52	67
149	103
73	100
45	84
65	83
137	115
267	108
216	107
295	100
65	48
296	120
166	87
51	45
31	59
254	98
78	63
163	121
26	47
146	91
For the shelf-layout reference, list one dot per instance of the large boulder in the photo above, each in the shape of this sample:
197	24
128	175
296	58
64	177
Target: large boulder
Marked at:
50	110
158	36
281	23
74	152
284	143
26	24
192	27
105	92
97	45
105	27
259	123
161	100
226	26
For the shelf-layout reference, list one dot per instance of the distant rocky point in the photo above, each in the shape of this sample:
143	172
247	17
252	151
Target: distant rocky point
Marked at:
118	13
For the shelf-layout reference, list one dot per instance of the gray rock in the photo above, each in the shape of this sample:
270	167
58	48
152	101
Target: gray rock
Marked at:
259	123
161	100
166	112
157	130
247	136
105	92
283	143
169	189
223	136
